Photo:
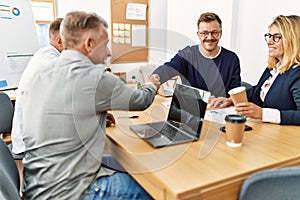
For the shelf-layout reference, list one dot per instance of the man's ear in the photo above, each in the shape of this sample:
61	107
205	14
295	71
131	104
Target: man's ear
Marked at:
59	45
88	44
58	40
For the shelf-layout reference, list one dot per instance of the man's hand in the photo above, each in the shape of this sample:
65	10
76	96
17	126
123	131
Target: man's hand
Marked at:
110	120
219	102
155	79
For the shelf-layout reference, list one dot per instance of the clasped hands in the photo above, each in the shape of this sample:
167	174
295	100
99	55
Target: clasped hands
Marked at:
155	79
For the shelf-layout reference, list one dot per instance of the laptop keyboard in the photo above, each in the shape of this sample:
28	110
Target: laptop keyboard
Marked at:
170	132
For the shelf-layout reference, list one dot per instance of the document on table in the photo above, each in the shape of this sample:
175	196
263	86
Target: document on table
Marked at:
218	115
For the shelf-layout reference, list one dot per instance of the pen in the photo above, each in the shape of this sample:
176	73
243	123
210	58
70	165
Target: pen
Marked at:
130	116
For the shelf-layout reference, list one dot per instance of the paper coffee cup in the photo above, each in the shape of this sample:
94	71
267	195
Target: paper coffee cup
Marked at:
238	95
235	125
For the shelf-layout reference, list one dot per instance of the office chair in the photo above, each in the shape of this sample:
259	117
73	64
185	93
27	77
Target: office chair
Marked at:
145	71
9	174
247	85
6	113
6	118
273	184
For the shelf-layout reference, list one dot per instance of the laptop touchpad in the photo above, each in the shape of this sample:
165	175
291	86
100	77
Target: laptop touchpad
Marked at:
148	133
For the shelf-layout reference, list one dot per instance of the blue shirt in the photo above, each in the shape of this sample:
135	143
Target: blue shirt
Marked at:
217	75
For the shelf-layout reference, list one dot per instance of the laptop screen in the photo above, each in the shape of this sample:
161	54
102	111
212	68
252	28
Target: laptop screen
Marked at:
188	108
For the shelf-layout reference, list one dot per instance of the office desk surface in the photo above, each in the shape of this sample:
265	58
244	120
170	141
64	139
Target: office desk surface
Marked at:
205	169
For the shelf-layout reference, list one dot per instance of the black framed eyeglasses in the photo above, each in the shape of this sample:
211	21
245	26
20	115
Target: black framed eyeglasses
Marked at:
206	33
276	37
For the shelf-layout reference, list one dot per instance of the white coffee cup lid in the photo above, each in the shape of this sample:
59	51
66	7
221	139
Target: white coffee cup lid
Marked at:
237	90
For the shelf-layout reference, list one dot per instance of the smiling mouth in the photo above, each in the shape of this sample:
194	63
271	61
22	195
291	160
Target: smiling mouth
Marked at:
272	48
210	41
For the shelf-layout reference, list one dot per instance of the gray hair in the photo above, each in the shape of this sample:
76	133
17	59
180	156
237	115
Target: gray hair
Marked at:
77	22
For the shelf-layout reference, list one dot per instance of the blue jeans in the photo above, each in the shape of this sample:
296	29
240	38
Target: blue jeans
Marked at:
117	186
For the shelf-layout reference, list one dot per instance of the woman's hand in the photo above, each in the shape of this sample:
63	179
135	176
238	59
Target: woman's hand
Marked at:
249	109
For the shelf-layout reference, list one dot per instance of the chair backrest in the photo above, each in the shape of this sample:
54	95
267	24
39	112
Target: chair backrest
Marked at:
8	167
7	189
146	71
6	112
281	183
247	85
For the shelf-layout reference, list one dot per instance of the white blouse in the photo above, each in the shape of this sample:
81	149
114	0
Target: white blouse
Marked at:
270	114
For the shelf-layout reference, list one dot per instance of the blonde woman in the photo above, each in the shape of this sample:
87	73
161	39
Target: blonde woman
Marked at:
276	97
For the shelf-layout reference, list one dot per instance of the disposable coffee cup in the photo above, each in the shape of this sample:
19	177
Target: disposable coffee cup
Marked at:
234	126
238	95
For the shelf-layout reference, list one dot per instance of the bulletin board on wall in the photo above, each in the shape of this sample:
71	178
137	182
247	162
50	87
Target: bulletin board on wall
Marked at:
129	31
44	11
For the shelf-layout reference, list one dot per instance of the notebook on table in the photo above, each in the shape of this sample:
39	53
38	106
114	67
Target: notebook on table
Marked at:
184	121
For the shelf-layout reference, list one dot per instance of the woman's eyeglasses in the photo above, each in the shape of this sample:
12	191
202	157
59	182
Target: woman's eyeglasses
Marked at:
276	37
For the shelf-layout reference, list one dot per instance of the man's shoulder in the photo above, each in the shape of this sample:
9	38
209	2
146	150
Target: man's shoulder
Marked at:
47	52
188	51
191	48
229	53
76	61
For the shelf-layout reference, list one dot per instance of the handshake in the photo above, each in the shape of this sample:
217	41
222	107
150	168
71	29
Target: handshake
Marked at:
155	79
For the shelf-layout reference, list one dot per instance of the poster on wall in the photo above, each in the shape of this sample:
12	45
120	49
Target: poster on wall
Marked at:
136	11
18	40
43	11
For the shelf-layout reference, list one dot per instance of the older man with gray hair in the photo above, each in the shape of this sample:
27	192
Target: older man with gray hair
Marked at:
65	108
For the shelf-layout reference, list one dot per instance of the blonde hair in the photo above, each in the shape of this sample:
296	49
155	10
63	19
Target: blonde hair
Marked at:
289	27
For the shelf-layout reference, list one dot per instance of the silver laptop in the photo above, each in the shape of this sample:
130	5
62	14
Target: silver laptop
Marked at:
184	121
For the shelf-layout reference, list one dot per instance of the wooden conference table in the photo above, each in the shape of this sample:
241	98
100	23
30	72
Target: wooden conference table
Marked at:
205	169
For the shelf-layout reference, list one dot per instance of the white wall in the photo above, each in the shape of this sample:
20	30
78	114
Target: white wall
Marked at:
183	17
253	20
101	7
173	25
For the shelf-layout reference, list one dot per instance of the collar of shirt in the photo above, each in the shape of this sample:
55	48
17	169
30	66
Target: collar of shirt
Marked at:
268	83
208	56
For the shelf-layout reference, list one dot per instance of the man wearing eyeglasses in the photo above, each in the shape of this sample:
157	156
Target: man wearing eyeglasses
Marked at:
207	66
